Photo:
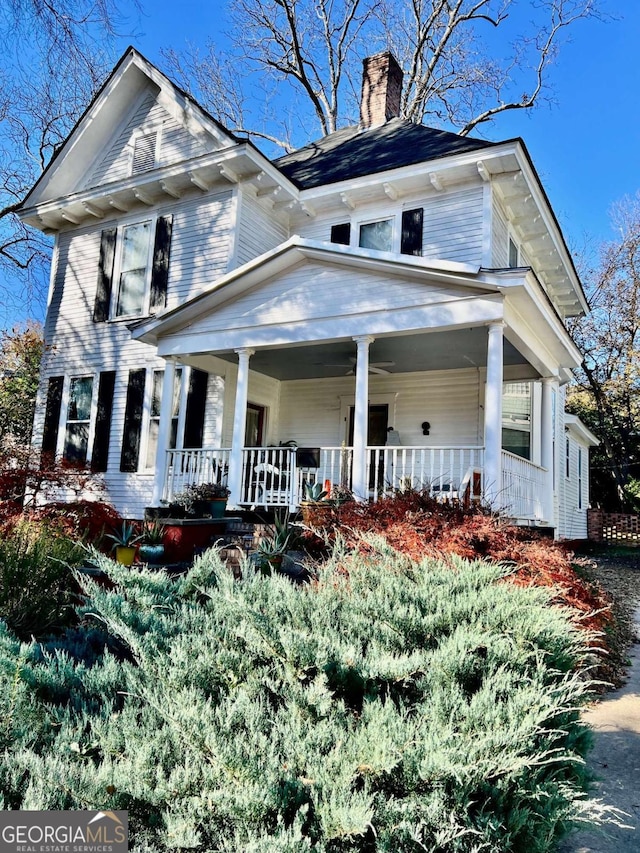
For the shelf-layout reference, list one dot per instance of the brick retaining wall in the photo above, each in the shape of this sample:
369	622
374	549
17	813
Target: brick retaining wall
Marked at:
613	527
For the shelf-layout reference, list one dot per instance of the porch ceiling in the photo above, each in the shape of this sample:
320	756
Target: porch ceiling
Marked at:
409	353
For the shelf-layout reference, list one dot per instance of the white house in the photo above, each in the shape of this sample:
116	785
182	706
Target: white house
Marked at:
382	307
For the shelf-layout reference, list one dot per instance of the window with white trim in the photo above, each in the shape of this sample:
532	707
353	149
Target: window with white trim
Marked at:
516	418
513	254
155	407
567	458
78	419
376	235
133	270
579	478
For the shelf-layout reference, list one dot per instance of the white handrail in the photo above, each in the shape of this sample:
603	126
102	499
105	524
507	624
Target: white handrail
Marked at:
522	494
441	469
185	468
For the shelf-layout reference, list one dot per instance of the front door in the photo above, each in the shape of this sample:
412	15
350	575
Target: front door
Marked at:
377	425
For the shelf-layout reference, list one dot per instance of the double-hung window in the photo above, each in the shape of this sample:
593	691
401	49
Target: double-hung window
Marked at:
133	269
76	442
131	285
154	413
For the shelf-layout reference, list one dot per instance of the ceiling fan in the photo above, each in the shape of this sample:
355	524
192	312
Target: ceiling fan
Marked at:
374	366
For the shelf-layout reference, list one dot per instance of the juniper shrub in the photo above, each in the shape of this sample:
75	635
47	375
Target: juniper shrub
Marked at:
390	706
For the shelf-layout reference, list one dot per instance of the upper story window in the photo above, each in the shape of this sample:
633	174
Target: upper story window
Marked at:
513	254
383	235
76	441
133	273
144	152
377	235
133	270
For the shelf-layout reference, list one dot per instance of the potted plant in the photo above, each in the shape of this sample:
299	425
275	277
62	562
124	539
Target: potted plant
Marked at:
151	549
124	543
316	509
272	549
204	498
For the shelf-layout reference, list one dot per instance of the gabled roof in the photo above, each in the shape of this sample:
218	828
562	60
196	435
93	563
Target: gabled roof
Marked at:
131	74
351	152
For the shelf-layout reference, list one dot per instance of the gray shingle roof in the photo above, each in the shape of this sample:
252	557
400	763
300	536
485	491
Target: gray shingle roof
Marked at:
351	153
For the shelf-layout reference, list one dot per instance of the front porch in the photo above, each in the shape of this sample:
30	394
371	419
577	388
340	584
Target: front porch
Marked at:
275	477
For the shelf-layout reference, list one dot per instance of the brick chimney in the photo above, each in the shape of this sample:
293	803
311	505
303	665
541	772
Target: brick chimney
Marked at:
381	89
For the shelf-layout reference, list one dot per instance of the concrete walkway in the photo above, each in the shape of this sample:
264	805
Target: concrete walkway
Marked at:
615	761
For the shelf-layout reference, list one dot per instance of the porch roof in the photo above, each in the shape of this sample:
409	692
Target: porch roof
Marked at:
297	250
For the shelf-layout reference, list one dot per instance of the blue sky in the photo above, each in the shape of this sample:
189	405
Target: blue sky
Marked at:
586	147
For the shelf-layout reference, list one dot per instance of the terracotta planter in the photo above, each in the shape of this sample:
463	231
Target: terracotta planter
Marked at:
317	513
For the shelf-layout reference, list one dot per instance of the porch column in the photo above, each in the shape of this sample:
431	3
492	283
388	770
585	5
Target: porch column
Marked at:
493	417
549	384
164	432
360	486
234	481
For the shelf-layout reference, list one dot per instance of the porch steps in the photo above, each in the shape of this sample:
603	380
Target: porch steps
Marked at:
241	539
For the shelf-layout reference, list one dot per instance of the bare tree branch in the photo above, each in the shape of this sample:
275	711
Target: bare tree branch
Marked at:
465	61
56	55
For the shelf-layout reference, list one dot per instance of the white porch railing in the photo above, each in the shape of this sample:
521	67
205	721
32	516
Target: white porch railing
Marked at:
522	495
188	467
275	476
446	471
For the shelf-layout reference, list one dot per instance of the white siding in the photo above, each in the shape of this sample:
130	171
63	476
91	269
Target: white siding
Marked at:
500	237
176	143
573	518
452	223
311	410
453	226
314	291
80	347
259	230
200	246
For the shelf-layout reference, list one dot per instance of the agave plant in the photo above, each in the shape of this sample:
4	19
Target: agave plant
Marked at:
126	537
314	492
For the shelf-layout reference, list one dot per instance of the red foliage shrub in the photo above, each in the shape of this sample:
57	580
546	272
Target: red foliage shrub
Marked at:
85	521
419	526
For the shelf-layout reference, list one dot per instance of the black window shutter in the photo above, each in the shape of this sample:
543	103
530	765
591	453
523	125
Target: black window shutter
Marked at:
52	415
411	243
196	404
102	433
341	233
133	421
105	275
160	270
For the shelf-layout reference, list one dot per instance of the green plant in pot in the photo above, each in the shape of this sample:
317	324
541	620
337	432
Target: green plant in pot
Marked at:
204	499
316	509
151	549
272	549
124	543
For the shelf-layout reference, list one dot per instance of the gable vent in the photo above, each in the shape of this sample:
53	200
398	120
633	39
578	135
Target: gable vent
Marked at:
144	153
